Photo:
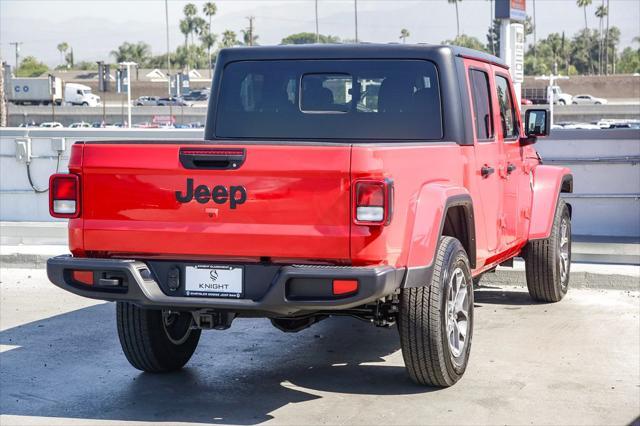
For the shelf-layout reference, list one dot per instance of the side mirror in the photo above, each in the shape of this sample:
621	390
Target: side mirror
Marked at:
536	123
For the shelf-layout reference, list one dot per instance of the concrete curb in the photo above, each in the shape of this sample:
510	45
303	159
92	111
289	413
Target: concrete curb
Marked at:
578	279
596	276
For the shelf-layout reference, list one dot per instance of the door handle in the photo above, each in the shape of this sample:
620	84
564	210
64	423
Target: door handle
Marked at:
486	171
510	168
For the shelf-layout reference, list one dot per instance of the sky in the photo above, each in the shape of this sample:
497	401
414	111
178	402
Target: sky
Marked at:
96	27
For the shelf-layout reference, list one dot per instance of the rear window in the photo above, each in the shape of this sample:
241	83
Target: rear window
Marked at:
332	99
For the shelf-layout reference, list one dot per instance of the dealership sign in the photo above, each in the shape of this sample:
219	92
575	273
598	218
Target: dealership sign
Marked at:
516	10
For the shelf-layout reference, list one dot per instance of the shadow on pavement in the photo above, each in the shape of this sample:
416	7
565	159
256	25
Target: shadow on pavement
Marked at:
71	365
497	296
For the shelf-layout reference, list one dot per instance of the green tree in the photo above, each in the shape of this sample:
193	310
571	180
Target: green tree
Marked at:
246	34
31	67
455	2
629	62
139	53
185	29
601	13
309	38
467	41
62	48
86	66
229	39
583	4
209	9
404	33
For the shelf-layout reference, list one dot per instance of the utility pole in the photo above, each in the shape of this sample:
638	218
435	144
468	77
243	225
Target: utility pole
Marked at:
166	23
317	30
355	6
3	112
16	45
606	43
251	18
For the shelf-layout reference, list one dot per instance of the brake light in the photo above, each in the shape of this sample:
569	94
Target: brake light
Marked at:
373	201
64	195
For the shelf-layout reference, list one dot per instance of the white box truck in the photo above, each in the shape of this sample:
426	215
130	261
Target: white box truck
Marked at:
79	94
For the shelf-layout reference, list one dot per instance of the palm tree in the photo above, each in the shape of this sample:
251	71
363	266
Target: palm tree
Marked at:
583	4
62	48
246	34
209	9
404	33
455	2
185	28
601	12
139	53
229	38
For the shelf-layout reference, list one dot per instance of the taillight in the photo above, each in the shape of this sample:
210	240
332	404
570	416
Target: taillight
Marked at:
64	195
373	201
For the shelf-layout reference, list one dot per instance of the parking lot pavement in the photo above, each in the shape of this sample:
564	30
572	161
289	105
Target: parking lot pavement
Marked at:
575	362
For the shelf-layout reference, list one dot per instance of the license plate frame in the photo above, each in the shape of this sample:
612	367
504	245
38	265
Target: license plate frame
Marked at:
218	281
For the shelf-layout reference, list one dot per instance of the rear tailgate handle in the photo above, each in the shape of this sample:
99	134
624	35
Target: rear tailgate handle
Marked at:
212	158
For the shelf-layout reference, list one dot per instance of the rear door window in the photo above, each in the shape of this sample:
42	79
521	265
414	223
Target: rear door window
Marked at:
330	99
481	97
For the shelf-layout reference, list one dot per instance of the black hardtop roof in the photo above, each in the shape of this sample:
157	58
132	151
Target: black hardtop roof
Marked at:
354	51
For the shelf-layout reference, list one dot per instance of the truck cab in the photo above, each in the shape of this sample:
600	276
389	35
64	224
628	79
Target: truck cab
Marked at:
375	181
79	94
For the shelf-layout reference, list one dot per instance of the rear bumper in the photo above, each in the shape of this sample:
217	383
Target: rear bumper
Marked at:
268	287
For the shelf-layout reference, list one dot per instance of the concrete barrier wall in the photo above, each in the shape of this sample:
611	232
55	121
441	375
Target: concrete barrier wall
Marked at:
605	163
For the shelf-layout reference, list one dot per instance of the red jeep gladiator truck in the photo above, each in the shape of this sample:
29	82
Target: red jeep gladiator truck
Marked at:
375	181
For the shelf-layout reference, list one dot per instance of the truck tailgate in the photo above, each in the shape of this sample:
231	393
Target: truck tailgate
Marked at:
136	201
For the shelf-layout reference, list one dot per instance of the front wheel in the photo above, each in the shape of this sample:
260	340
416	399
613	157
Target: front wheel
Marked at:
548	261
436	320
156	341
562	102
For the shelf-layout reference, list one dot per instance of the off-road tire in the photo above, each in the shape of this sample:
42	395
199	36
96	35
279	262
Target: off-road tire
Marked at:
543	264
423	319
145	340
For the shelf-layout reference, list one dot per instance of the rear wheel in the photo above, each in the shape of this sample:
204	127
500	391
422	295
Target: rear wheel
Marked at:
154	340
548	261
436	320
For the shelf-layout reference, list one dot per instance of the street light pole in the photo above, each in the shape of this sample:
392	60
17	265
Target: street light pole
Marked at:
355	6
128	65
317	30
166	23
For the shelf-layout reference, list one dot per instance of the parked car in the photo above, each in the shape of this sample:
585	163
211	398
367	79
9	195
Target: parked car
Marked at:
178	101
146	101
526	101
588	100
79	125
28	124
51	125
389	215
145	125
197	95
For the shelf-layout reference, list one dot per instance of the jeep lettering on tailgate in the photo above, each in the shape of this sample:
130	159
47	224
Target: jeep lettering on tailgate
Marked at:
218	194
